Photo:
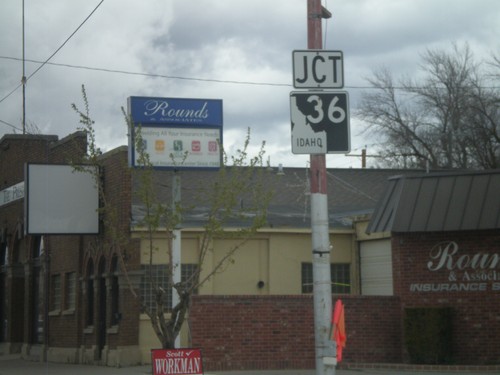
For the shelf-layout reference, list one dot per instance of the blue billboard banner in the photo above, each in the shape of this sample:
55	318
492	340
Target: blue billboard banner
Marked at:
176	133
175	111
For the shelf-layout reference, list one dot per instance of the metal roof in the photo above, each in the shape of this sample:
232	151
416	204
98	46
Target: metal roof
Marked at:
351	192
447	201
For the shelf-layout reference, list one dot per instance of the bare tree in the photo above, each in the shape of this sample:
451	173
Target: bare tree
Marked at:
239	176
495	63
448	119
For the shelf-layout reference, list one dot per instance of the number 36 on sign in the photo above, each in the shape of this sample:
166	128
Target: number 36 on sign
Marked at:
320	122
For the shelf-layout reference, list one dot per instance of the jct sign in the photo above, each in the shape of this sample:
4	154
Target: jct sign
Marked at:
318	69
176	361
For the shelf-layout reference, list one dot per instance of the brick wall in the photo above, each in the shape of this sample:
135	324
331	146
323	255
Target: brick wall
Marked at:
15	151
476	312
373	328
277	332
117	185
66	255
251	332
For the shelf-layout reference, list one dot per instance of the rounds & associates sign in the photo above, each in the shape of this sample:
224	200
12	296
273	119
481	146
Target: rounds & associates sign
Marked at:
176	133
465	272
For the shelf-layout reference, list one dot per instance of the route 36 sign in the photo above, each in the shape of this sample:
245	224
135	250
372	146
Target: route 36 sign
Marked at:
320	122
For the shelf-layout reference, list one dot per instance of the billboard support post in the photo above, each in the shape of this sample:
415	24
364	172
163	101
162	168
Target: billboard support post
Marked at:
176	244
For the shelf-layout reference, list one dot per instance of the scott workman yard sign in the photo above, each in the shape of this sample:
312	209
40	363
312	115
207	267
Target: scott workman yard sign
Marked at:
176	362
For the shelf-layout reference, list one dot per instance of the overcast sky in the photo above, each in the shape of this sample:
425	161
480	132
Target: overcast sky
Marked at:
239	51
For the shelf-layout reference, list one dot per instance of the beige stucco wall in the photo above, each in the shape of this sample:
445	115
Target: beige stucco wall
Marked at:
273	257
361	235
290	250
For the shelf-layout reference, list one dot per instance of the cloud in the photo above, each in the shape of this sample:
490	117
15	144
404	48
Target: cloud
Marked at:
203	49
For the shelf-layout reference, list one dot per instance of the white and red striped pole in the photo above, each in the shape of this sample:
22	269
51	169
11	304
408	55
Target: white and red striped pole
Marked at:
324	347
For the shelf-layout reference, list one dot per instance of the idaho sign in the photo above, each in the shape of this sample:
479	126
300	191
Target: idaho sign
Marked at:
320	122
320	119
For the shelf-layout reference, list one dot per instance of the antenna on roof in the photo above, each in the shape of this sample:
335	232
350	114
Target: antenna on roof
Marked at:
23	81
269	168
280	170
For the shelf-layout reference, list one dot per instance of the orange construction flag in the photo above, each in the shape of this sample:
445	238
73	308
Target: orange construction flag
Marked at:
338	324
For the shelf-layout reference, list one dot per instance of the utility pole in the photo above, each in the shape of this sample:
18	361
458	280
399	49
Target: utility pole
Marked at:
324	347
363	157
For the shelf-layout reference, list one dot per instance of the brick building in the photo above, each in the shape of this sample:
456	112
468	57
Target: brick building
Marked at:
446	254
70	298
444	261
59	294
21	259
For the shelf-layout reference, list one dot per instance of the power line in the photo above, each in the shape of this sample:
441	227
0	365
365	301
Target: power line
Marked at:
66	41
350	187
12	92
51	56
153	75
12	126
165	76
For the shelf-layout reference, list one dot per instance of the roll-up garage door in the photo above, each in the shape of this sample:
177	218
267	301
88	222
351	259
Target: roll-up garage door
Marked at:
376	268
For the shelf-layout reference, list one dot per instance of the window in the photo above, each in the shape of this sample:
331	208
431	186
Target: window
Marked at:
115	293
340	275
89	289
70	296
159	275
37	247
341	278
3	328
4	254
56	292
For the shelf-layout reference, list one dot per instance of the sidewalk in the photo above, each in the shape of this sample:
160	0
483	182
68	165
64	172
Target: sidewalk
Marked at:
12	365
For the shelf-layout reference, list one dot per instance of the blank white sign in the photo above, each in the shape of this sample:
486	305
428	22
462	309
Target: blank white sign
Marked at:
60	200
